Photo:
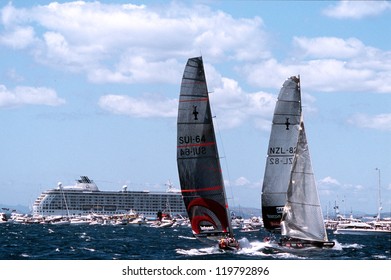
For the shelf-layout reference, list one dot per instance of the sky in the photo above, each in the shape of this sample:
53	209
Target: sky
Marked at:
91	88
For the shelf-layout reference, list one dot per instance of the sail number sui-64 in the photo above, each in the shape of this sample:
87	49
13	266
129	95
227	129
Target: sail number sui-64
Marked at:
192	145
280	155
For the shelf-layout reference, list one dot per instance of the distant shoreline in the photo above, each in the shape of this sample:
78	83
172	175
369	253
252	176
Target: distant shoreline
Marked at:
244	212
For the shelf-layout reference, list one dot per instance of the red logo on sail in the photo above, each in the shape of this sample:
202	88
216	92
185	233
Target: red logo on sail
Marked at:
207	213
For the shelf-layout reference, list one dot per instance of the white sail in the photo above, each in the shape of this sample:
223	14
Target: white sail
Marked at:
302	217
280	154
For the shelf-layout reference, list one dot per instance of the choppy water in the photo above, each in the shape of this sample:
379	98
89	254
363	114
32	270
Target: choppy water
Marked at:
51	242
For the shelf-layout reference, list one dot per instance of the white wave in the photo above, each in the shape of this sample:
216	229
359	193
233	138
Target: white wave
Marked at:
200	252
354	246
257	248
381	257
267	249
187	237
89	249
244	243
212	250
191	252
337	246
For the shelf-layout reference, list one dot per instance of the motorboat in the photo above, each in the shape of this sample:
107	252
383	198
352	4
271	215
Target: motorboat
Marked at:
362	228
249	228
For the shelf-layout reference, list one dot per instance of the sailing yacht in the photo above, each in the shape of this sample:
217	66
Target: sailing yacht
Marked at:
302	223
198	161
282	145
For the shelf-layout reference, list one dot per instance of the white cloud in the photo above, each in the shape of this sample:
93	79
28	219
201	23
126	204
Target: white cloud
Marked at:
18	38
329	181
138	70
329	47
139	107
242	181
357	9
233	106
325	75
146	44
11	16
29	96
229	102
118	43
378	122
327	64
331	187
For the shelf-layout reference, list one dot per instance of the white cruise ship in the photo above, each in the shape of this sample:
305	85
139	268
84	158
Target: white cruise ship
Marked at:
85	198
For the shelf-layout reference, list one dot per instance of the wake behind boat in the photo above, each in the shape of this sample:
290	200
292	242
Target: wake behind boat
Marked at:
198	161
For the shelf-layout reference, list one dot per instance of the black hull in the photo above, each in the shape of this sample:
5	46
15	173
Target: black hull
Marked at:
303	244
272	218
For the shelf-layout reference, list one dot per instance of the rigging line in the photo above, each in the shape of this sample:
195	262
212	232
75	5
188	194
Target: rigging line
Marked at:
224	155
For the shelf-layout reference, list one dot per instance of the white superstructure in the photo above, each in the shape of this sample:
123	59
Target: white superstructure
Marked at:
85	198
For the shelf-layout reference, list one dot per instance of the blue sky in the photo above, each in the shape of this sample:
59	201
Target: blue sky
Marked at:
91	88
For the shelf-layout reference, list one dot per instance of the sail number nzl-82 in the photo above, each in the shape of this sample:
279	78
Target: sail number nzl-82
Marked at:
192	145
280	155
282	151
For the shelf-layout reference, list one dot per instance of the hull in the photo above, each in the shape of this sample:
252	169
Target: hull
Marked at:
271	217
363	232
305	244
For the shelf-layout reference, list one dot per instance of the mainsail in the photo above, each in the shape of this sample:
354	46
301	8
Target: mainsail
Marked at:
198	161
302	217
280	154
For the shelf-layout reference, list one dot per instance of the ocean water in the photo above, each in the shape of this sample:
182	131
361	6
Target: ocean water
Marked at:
126	242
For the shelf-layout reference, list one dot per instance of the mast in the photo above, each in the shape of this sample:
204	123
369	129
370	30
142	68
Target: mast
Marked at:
379	197
65	200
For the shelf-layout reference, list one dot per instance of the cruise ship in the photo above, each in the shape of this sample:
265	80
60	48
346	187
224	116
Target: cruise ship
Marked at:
85	198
